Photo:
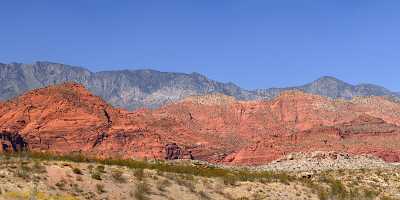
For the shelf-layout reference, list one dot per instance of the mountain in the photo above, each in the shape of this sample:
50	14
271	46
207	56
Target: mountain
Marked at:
216	128
132	89
129	89
333	88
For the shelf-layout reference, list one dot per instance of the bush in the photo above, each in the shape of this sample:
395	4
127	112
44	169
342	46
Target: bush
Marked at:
77	171
24	172
338	190
229	180
96	176
228	175
101	169
61	184
38	167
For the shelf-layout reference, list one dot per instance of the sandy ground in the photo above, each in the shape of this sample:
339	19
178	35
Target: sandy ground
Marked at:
59	180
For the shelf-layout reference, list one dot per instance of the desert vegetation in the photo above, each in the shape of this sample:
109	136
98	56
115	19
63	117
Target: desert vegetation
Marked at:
47	176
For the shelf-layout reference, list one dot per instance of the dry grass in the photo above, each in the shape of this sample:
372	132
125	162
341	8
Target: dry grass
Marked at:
117	175
142	191
148	179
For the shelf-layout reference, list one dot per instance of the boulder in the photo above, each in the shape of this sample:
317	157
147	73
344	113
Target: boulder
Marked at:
172	151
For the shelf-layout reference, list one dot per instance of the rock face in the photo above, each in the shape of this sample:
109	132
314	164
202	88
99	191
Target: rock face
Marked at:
133	89
172	152
323	161
56	117
130	89
12	142
216	128
332	87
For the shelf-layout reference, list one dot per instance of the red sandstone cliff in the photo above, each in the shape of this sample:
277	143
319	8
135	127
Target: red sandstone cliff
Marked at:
67	118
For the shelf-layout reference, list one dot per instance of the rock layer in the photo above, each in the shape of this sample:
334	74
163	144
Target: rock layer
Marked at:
216	128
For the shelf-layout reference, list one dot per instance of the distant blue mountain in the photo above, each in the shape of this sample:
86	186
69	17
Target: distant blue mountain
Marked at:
132	89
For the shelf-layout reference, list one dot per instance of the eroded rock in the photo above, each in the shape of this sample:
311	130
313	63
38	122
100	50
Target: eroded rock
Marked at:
67	118
12	142
172	151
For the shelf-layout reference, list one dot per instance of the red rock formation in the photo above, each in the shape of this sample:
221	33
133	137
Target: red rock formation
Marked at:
59	118
363	135
67	118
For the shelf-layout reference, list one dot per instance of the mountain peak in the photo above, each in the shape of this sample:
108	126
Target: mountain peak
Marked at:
70	88
133	89
44	62
62	96
329	79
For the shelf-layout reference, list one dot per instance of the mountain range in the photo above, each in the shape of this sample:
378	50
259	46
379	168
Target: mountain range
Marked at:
133	89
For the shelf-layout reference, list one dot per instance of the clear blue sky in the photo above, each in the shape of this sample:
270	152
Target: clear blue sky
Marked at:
255	44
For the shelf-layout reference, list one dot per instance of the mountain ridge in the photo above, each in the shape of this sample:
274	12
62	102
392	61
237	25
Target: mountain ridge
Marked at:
133	89
67	118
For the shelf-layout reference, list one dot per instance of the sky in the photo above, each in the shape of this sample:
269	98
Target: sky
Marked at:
252	43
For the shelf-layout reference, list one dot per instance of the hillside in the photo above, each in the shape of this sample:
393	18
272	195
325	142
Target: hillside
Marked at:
133	89
216	128
44	177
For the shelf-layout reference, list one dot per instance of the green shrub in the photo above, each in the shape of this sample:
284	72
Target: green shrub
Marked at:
337	189
96	176
24	172
101	169
229	176
61	184
229	180
77	171
38	167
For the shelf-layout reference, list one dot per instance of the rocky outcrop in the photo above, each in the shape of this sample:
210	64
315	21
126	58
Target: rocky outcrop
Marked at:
12	142
216	128
310	163
363	135
173	152
133	89
61	118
